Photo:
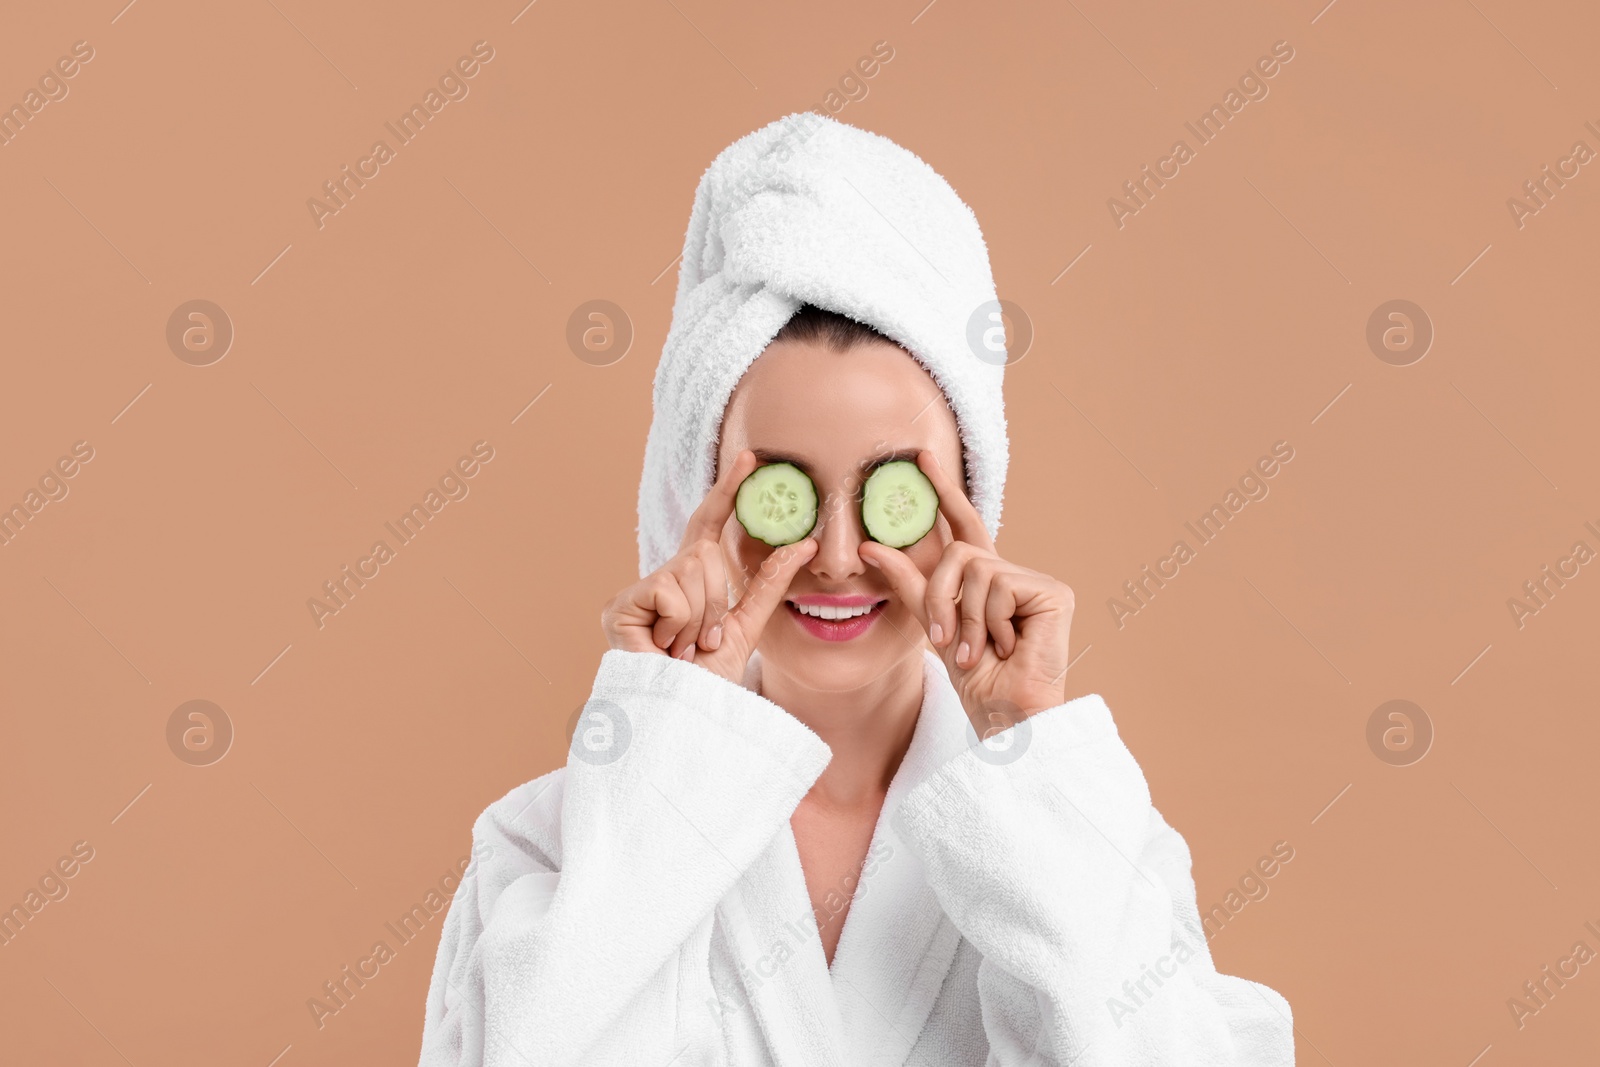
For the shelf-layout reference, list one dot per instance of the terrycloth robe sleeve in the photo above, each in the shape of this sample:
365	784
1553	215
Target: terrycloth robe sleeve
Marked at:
1057	868
552	944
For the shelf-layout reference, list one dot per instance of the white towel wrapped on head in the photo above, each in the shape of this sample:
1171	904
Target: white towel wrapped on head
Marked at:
809	210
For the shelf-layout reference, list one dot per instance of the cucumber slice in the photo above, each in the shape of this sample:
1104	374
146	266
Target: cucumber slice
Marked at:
899	505
777	504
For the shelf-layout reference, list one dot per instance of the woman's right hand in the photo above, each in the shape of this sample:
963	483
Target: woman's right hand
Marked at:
681	610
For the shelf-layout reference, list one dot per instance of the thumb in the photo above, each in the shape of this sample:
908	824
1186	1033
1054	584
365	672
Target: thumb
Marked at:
766	589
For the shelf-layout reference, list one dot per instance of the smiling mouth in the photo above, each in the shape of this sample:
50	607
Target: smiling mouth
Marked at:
836	622
832	613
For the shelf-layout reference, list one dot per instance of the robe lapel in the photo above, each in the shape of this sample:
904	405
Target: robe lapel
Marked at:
897	944
773	933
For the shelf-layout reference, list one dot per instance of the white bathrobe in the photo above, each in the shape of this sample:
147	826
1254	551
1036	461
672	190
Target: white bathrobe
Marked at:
1014	909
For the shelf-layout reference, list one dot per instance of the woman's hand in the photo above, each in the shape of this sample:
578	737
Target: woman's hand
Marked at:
681	610
1001	629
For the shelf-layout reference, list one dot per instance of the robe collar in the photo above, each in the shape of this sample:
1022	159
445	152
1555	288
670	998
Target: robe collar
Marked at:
897	944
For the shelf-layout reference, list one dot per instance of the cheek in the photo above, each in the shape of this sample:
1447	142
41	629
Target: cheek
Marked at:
747	555
927	552
748	564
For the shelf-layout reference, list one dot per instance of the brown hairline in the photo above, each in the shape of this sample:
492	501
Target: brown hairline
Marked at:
840	332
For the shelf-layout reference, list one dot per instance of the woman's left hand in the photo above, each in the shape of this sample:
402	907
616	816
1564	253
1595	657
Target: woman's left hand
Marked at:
1001	629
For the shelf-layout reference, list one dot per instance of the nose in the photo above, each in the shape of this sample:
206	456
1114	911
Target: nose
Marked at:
839	534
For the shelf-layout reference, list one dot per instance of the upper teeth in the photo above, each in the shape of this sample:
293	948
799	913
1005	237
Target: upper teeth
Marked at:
824	611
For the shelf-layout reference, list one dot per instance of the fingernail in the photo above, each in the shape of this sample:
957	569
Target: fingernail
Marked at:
936	633
961	653
714	638
688	650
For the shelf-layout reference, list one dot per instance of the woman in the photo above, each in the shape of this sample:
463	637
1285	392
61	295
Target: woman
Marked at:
788	836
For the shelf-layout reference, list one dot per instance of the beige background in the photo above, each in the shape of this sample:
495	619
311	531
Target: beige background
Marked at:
1228	314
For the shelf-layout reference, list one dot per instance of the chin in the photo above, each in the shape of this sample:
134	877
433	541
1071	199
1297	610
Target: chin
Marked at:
840	667
832	672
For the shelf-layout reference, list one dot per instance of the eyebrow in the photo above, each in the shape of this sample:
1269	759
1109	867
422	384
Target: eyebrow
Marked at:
767	455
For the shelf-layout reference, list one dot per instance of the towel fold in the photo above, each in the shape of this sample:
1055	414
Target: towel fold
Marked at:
809	210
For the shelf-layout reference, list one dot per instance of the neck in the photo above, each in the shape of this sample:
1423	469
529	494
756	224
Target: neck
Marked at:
869	728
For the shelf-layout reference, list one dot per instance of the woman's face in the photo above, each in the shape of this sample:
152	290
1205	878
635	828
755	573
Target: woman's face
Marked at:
836	416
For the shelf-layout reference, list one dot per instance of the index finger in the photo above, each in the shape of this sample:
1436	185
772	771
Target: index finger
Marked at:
965	522
905	580
712	514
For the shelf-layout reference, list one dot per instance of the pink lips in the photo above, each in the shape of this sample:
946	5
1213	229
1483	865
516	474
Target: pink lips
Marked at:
831	629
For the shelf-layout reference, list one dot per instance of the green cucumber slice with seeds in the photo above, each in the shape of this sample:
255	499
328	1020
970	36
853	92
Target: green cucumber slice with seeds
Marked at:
899	505
777	504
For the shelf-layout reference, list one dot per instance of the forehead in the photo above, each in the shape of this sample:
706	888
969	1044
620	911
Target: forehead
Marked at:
836	408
